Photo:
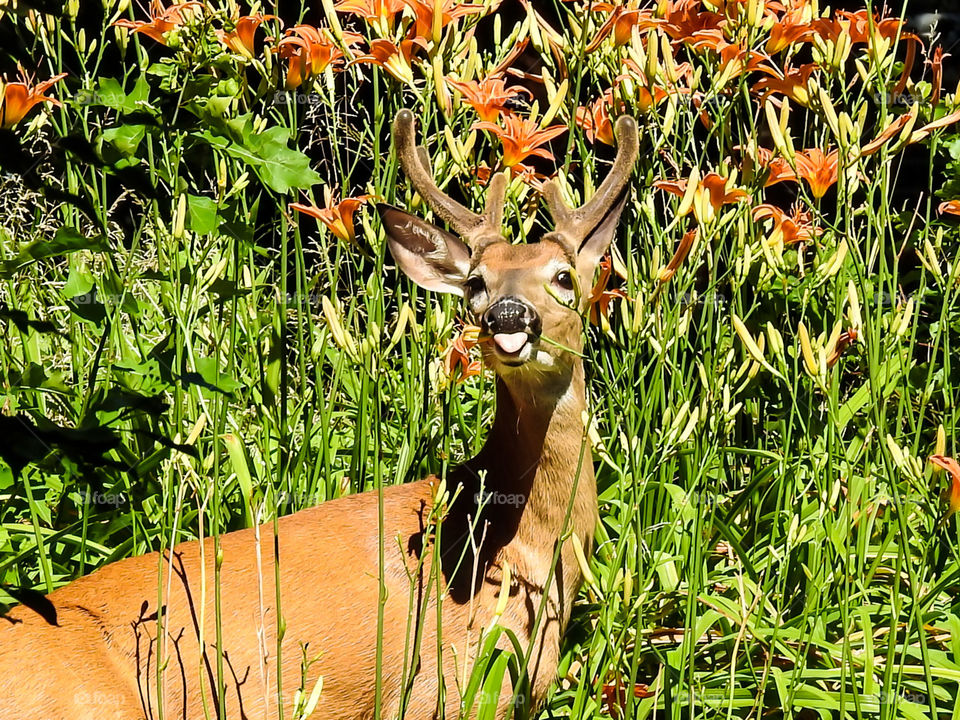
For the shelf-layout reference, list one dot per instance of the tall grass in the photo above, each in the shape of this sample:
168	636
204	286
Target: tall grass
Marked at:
185	355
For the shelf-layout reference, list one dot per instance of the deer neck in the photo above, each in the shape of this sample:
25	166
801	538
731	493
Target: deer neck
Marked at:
537	458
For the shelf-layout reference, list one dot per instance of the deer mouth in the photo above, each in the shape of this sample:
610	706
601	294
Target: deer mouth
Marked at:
513	349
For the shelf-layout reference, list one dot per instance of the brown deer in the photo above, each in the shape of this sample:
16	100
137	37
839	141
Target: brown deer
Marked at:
137	638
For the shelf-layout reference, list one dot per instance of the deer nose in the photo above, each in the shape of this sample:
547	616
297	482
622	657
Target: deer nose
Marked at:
511	315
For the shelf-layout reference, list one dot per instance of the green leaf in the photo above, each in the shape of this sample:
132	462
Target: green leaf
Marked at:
277	165
202	214
6	476
67	240
885	380
124	138
241	467
109	93
88	306
79	282
212	378
239	224
144	377
492	687
286	168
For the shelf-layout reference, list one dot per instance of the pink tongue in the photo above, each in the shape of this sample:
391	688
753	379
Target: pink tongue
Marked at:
510	343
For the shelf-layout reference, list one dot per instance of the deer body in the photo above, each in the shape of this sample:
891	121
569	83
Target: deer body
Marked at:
90	649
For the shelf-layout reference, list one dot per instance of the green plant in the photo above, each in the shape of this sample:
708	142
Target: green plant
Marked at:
184	353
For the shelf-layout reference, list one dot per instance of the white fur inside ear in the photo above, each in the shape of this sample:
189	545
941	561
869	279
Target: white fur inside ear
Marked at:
425	270
433	258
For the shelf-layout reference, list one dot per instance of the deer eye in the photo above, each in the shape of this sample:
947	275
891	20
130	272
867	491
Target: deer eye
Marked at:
564	280
475	285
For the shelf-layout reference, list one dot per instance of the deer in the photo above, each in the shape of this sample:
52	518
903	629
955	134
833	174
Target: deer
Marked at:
137	638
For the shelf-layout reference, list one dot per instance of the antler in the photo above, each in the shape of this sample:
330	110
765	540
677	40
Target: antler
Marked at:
576	223
416	164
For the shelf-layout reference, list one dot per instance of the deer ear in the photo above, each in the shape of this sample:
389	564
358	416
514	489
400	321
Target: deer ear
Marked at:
598	240
433	258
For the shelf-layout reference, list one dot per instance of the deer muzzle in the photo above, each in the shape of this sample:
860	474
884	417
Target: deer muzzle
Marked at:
511	323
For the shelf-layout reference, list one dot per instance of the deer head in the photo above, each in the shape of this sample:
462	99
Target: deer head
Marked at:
528	299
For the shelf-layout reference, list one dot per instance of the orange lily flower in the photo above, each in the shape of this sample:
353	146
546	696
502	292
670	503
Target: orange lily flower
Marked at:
843	342
951	207
793	27
794	228
646	100
18	98
887	133
838	26
521	138
683	249
483	174
820	170
449	10
777	168
936	70
594	119
459	364
736	59
240	39
857	27
308	52
372	10
888	30
600	298
620	23
489	97
395	60
681	20
684	22
791	82
337	217
711	194
614	695
649	94
952	495
162	20
778	171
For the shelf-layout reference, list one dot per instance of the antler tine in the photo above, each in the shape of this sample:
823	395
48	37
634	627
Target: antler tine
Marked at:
416	164
496	197
578	222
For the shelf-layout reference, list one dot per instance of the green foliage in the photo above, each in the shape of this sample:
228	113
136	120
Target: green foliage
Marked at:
176	337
